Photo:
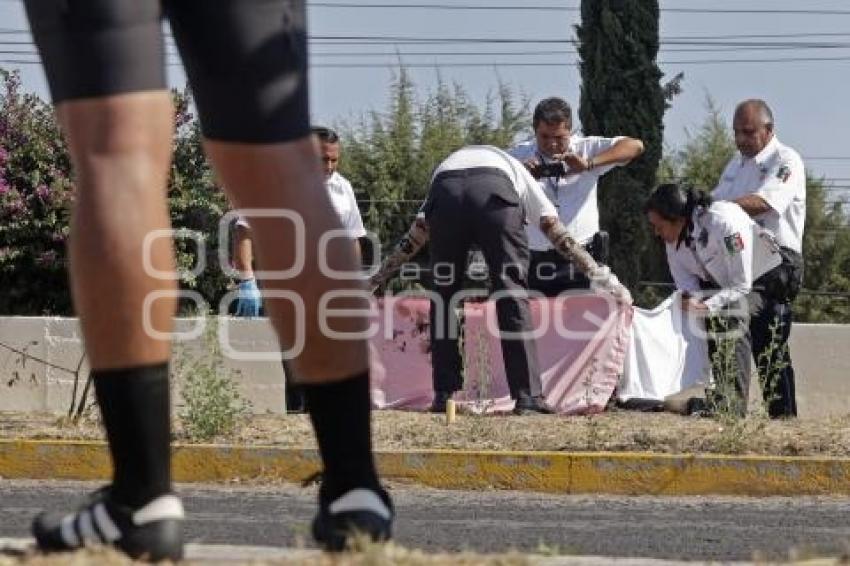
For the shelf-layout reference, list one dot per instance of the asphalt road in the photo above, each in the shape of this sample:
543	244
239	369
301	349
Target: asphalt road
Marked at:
689	528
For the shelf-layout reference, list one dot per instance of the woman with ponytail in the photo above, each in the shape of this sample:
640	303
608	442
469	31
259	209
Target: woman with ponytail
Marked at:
723	263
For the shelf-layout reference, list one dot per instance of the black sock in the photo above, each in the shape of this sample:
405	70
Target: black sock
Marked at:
134	403
340	412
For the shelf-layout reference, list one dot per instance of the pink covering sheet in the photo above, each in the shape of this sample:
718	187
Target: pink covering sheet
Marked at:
581	346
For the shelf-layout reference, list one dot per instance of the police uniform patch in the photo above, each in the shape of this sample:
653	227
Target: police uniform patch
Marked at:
734	243
783	173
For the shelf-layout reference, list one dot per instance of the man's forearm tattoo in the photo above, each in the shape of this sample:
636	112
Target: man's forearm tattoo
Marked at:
566	245
409	244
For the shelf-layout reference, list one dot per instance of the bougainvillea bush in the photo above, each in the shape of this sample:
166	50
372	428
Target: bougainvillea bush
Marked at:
35	197
37	190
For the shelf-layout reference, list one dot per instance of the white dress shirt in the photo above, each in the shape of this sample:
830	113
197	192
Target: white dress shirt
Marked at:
574	195
534	201
728	249
778	176
344	204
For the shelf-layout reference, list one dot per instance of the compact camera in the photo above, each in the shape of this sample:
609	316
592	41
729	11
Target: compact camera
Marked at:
552	169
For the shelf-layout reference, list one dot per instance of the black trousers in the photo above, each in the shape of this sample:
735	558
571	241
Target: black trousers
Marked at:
763	327
770	327
551	273
730	353
480	206
294	392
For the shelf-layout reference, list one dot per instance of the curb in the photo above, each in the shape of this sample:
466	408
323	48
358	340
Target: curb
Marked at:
554	472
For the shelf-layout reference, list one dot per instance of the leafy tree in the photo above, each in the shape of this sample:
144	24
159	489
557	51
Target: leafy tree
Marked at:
35	199
621	95
37	190
389	158
196	204
826	251
706	152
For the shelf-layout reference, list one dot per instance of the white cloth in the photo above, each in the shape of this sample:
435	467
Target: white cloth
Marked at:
665	354
728	249
343	202
534	201
574	196
777	175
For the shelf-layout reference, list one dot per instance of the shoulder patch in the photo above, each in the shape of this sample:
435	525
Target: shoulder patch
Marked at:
734	243
783	173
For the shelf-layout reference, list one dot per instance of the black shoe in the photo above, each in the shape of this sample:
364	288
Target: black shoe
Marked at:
151	533
359	513
440	400
698	407
528	405
295	403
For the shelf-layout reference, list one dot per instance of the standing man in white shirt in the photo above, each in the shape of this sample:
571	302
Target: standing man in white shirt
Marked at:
481	195
768	180
344	204
567	168
249	303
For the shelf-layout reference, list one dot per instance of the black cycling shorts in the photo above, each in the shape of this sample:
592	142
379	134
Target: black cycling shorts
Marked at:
246	59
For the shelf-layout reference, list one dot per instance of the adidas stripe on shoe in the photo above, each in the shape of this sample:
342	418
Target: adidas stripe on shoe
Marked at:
358	513
152	532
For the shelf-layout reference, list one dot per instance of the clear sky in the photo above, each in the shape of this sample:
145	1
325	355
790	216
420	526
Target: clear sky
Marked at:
798	53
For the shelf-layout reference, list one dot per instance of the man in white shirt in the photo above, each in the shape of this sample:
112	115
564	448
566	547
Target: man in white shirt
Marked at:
567	168
481	195
344	204
768	180
249	303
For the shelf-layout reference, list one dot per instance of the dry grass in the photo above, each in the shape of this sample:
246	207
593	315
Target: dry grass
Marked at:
613	431
369	555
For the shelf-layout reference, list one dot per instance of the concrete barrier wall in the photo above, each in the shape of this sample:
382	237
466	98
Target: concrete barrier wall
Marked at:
27	384
821	354
821	358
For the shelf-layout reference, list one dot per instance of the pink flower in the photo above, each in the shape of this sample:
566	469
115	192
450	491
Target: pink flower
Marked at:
14	207
47	258
4	155
4	186
42	192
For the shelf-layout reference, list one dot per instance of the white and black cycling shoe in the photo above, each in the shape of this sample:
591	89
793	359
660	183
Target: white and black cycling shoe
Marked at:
358	513
152	532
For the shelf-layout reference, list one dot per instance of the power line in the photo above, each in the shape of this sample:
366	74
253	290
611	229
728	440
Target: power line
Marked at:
549	8
501	64
541	8
497	64
514	53
663	39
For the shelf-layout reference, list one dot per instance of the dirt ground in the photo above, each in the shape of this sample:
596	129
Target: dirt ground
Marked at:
372	555
614	431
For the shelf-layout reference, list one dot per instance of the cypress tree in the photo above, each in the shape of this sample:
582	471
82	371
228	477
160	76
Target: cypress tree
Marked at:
621	94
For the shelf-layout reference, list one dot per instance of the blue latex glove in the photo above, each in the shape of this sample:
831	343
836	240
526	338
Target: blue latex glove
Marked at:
249	302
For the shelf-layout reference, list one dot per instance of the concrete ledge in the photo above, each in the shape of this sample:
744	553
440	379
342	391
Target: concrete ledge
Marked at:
819	351
556	472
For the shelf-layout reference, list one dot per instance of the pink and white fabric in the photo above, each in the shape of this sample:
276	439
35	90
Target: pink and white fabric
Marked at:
582	342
